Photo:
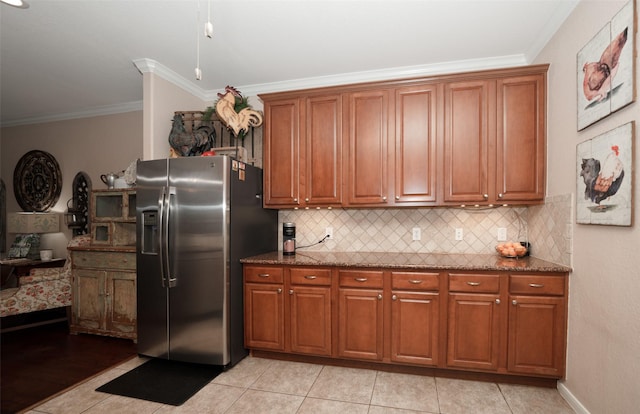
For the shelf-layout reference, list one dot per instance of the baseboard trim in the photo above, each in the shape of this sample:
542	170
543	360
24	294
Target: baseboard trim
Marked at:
571	399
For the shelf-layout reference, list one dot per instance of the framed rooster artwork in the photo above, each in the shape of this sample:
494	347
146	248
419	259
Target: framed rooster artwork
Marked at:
605	69
604	178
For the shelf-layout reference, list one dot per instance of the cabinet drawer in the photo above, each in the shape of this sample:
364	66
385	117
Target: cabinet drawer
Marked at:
263	274
104	260
414	281
536	285
361	278
459	282
310	276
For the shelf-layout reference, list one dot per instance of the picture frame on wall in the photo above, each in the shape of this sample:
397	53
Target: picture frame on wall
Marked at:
605	178
605	70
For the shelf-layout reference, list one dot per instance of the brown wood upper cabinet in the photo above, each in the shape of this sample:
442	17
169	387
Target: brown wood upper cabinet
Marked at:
471	138
303	151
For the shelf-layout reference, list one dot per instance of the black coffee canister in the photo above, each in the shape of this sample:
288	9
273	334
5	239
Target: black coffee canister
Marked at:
288	239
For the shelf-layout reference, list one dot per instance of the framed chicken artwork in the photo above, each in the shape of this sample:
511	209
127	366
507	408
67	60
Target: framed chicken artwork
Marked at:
605	69
604	178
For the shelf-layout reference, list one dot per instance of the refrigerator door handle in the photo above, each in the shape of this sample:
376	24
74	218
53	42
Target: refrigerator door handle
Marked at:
162	236
170	280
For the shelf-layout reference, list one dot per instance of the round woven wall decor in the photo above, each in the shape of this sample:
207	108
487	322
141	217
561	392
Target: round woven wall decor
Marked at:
37	181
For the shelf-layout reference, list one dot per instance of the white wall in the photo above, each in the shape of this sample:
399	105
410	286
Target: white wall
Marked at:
95	145
603	355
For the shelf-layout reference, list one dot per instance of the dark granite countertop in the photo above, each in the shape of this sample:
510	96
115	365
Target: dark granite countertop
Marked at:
417	261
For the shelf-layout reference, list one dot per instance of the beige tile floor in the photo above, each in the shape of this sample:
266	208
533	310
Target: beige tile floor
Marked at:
262	386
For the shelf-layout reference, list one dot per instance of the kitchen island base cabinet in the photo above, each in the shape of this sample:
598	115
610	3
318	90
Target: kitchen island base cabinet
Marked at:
104	293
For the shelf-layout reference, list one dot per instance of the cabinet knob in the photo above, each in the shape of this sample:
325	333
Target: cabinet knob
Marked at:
379	296
497	301
514	302
279	290
500	195
295	200
384	198
306	199
291	291
394	297
485	196
397	197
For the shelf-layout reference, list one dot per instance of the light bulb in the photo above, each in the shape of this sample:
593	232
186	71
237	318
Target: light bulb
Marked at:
198	74
208	29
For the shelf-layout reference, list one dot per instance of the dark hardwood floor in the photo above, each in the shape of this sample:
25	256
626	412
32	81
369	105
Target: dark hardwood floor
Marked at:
39	362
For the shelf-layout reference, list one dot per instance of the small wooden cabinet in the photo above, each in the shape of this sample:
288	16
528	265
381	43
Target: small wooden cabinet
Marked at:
303	151
537	324
264	307
360	315
104	293
310	313
104	273
113	217
474	321
415	318
298	321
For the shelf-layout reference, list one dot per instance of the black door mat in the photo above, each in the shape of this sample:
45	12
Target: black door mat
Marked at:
163	381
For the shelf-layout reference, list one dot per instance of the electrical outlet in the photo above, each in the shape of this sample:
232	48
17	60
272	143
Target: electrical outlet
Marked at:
416	234
329	232
459	234
502	234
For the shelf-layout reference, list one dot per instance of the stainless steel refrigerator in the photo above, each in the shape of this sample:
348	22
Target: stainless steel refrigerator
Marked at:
196	218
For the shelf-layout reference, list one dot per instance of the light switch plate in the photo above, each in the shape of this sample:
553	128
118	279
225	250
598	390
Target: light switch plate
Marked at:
416	234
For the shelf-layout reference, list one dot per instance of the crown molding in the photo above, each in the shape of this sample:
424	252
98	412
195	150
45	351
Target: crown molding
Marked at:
145	65
96	111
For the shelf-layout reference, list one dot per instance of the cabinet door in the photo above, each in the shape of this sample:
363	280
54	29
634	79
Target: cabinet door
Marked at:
310	314
323	151
474	331
520	146
88	298
264	316
360	323
466	146
282	149
120	295
416	144
414	327
537	335
367	151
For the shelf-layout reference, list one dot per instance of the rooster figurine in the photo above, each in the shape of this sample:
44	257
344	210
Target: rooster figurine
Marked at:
239	122
602	181
598	75
188	144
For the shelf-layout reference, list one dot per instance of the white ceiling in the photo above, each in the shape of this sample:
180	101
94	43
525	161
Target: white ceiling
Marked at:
70	58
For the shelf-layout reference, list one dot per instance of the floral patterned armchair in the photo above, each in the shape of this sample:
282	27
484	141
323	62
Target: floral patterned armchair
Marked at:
42	289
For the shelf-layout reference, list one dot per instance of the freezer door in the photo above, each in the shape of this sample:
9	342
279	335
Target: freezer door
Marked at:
198	211
151	295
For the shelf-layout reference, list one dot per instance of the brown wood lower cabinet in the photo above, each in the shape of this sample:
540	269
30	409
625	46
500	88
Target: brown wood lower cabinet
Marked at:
480	321
104	293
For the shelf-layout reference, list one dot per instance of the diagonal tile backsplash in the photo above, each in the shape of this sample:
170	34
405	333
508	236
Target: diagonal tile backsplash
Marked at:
547	227
390	230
